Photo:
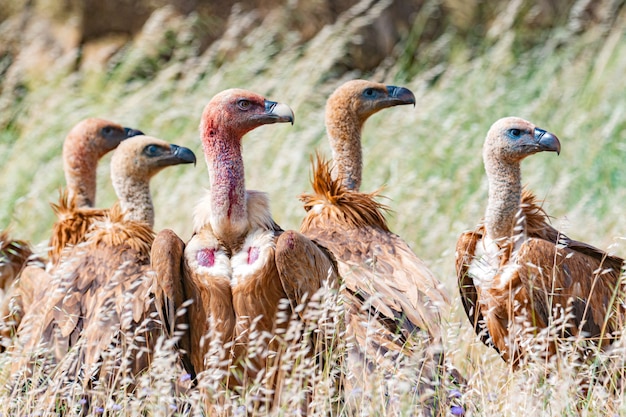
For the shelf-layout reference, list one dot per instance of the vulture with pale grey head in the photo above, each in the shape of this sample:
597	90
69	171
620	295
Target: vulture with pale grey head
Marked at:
100	292
518	276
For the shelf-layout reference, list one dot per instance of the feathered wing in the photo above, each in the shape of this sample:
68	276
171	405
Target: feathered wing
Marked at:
376	265
304	268
13	257
548	270
167	260
16	256
100	295
393	303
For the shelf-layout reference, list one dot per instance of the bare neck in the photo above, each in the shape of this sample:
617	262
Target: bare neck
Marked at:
505	193
344	135
80	177
135	199
229	217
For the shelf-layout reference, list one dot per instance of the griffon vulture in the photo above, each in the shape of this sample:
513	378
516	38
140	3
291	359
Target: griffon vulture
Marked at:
13	257
84	146
227	269
100	298
393	301
86	143
518	276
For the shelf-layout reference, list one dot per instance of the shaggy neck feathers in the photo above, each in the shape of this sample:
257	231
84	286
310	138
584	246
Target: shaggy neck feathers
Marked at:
505	193
344	134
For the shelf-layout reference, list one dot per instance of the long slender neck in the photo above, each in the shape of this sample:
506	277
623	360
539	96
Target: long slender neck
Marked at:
344	135
80	177
229	217
505	193
135	199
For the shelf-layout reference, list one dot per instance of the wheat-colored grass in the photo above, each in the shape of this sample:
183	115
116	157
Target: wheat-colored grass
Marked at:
428	159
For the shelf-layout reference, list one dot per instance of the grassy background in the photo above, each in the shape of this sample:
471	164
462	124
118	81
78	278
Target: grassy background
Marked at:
428	158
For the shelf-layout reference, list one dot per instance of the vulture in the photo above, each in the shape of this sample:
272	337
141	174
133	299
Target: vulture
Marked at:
100	303
393	302
525	286
14	255
86	143
228	269
84	146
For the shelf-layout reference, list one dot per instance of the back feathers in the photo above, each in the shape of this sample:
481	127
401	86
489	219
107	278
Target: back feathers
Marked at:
352	208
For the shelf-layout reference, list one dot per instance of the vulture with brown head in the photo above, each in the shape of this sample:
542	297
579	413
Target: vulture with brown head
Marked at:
525	286
86	143
227	269
100	294
84	146
393	301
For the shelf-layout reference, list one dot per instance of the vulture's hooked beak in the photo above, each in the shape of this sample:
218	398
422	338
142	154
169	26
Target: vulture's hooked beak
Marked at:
400	95
278	113
180	155
130	132
546	141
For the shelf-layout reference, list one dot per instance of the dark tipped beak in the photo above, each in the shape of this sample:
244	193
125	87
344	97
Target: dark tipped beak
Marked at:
182	155
547	141
278	112
400	95
130	132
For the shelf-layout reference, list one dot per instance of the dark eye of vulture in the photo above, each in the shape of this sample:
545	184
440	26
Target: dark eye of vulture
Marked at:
107	130
369	93
515	133
153	150
243	104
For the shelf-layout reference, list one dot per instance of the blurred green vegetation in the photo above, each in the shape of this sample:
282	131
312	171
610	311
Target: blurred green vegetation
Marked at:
469	63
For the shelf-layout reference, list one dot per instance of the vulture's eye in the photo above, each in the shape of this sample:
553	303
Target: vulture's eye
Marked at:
369	92
152	150
107	130
243	104
514	133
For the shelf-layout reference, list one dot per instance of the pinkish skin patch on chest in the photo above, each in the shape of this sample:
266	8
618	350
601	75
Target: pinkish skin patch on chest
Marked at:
206	257
253	254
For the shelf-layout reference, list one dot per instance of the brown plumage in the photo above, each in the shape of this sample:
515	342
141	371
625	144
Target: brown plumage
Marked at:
228	271
518	276
14	255
393	301
86	143
101	288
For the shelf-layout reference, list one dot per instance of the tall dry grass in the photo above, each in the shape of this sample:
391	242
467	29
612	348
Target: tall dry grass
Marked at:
566	81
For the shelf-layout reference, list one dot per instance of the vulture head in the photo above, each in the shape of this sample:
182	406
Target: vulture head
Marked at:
359	99
347	109
85	144
508	142
134	162
512	139
234	112
140	158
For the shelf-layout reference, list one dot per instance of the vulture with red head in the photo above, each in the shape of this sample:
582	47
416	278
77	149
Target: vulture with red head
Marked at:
518	276
227	269
393	301
100	292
